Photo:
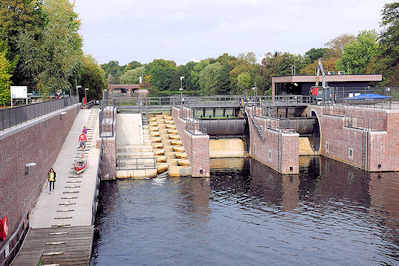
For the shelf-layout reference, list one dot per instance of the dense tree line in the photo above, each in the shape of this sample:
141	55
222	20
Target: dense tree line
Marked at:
368	52
40	47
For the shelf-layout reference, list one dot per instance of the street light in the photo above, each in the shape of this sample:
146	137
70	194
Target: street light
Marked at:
181	89
77	89
254	89
86	90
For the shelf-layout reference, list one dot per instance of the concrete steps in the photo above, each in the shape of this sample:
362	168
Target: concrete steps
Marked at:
136	159
159	130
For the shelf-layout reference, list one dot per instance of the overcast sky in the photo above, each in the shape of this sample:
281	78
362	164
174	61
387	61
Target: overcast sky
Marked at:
184	30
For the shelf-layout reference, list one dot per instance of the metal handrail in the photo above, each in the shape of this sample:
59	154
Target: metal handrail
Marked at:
13	116
139	163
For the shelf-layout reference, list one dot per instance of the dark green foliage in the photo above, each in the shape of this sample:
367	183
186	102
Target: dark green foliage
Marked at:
113	71
92	77
387	61
314	54
163	74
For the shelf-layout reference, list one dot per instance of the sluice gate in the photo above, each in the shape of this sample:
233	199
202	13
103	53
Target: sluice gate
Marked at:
223	127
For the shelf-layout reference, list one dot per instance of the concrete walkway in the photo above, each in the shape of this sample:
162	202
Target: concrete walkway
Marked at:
61	224
70	204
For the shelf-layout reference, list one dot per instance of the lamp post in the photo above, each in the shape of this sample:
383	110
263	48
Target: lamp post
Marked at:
86	89
255	93
77	90
181	89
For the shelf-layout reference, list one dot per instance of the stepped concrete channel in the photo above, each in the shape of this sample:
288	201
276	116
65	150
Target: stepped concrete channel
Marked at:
145	148
135	156
61	227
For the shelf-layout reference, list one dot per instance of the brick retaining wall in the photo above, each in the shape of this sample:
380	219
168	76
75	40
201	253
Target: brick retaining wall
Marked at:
38	142
279	150
375	149
108	141
196	146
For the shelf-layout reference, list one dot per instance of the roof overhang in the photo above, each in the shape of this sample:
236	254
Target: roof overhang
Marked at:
329	78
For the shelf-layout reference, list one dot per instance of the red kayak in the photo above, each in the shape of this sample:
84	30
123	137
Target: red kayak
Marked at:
80	166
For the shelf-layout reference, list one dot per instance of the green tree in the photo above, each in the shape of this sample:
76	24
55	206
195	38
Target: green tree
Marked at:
132	76
112	71
359	53
186	71
54	58
210	79
228	62
280	64
242	67
387	61
5	77
131	65
314	54
195	72
163	74
92	77
244	81
16	17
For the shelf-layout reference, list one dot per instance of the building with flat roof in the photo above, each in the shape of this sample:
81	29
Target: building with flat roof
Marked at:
300	85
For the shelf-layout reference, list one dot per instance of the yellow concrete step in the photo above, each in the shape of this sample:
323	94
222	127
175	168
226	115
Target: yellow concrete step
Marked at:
136	174
176	171
305	147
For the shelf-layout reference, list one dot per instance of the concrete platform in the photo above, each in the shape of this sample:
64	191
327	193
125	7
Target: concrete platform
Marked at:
72	193
61	224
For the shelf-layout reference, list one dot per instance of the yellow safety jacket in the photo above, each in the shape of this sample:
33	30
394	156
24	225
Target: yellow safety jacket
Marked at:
51	176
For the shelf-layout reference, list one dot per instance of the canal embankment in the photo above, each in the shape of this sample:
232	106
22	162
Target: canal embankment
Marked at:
71	205
27	151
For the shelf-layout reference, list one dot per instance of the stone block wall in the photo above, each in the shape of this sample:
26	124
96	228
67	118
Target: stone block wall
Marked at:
32	142
196	146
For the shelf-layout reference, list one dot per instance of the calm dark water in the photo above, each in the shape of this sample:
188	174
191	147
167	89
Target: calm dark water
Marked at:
330	214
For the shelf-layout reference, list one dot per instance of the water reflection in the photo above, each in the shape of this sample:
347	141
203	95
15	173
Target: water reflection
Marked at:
195	196
384	191
329	214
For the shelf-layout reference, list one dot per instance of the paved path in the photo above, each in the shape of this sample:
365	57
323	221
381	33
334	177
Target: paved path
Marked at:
73	195
72	203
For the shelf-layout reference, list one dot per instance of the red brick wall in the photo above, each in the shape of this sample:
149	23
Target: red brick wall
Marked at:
196	146
275	142
39	143
108	162
382	146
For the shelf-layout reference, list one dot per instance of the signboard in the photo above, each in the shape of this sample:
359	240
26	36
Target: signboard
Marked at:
19	92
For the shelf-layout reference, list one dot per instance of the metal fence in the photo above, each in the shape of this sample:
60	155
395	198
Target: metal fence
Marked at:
365	123
106	130
13	116
136	163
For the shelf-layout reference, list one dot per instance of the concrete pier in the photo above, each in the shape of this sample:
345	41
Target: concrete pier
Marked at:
71	205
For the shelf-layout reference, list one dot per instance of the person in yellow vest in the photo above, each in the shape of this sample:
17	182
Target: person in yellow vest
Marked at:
51	178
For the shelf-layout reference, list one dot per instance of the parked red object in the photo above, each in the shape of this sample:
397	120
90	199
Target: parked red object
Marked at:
80	166
4	228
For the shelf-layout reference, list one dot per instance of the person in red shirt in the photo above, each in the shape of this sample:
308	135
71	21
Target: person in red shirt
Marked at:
82	140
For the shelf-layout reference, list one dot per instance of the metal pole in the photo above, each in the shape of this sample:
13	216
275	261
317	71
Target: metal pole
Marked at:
86	89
